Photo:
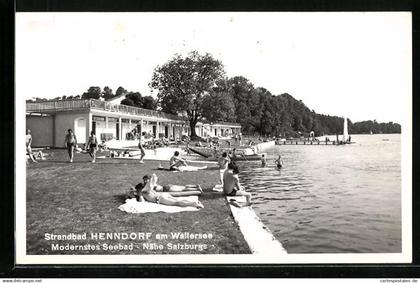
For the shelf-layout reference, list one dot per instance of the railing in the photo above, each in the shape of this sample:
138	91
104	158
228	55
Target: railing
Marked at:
59	105
77	104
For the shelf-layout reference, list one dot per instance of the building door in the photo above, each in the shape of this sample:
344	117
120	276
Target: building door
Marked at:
154	130
94	127
166	132
215	132
173	132
118	130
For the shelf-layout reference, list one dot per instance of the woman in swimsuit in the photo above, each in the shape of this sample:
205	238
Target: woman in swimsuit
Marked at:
150	194
92	145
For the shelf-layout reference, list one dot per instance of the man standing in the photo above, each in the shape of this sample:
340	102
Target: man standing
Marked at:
29	145
141	147
70	142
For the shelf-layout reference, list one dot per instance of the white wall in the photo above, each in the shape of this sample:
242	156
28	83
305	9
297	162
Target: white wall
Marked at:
65	121
80	129
41	129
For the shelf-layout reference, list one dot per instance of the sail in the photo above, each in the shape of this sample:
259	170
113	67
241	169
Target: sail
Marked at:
345	131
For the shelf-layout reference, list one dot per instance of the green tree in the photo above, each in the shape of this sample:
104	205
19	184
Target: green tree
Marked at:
149	103
137	100
241	90
120	90
183	83
93	92
107	93
133	99
218	106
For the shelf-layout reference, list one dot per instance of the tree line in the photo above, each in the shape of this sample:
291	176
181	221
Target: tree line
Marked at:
196	87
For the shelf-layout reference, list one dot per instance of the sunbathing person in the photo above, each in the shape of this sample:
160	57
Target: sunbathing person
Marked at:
39	155
167	188
231	185
149	193
175	162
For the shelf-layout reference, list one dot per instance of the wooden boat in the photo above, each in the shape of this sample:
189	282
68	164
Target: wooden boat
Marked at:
212	155
203	151
253	157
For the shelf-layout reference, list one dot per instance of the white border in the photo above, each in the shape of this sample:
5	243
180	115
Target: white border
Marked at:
406	206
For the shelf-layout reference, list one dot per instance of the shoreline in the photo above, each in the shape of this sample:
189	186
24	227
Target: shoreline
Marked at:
88	199
258	236
245	241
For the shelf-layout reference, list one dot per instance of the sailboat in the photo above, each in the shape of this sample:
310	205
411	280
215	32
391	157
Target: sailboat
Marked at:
345	131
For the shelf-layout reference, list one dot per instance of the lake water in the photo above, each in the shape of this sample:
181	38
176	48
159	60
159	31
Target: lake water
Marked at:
331	199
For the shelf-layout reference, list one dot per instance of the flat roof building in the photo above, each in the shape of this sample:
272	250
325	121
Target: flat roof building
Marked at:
49	121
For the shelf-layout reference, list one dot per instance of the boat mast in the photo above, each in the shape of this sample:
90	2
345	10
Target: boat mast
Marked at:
345	131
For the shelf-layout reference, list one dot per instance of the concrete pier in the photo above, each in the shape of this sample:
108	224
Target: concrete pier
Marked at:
296	142
259	238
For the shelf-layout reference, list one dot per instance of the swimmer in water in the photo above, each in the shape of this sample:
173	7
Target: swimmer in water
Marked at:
279	162
263	161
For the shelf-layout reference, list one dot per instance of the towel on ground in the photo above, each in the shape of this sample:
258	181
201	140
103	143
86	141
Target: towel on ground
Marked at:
190	168
183	168
134	206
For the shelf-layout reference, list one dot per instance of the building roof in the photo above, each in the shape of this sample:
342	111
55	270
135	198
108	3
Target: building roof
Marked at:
48	107
116	97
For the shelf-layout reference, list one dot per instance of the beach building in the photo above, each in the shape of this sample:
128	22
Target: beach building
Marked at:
49	121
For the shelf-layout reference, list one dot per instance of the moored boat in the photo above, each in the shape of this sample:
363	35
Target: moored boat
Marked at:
212	154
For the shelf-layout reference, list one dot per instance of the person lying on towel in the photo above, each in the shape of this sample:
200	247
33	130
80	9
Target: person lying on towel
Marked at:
149	193
167	188
177	190
176	163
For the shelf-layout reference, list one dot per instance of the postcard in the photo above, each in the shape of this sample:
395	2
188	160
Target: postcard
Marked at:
213	138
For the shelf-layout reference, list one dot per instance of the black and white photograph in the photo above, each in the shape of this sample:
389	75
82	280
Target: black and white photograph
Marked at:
213	137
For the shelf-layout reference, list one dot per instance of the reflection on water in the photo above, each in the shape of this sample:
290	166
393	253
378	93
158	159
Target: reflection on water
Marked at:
331	199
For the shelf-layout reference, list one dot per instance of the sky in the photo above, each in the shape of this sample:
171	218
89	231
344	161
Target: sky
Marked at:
355	65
